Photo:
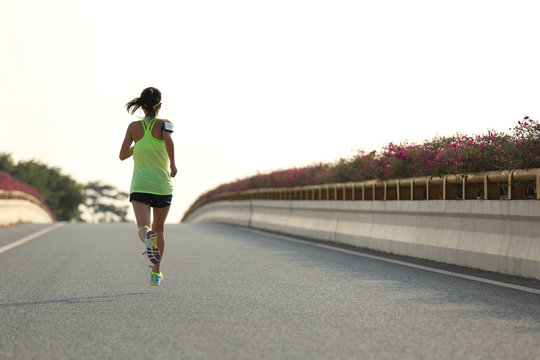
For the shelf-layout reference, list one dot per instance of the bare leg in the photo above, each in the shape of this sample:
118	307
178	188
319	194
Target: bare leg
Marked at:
142	215
160	215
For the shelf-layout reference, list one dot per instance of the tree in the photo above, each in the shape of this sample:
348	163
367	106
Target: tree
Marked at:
104	203
62	193
6	163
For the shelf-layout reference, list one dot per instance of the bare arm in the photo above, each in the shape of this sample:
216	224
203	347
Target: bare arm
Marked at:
127	150
169	145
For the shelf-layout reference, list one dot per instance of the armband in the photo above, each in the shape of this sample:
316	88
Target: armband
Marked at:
167	126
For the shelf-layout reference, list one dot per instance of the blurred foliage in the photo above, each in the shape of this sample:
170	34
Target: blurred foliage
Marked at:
65	196
104	203
62	193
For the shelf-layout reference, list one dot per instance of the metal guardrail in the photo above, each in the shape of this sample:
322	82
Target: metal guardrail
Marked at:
19	195
491	185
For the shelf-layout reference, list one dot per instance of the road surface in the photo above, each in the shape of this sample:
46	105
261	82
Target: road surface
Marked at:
80	291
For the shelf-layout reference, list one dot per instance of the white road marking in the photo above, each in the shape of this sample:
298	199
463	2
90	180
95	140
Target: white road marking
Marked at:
29	237
421	267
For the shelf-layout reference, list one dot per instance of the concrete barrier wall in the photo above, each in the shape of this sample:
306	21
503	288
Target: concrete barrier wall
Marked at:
499	236
228	212
14	211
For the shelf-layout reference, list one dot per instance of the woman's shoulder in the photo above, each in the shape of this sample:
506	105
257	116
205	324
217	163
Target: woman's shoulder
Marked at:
164	120
134	127
134	124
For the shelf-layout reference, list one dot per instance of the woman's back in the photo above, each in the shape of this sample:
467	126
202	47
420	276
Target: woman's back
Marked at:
151	161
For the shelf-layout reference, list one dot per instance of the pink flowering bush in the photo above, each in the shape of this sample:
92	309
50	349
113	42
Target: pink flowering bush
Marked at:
526	152
463	154
7	182
459	154
314	174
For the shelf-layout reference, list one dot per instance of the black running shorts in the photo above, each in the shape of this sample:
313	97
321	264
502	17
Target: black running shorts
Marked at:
156	201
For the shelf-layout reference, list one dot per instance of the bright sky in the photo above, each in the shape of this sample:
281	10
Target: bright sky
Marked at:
254	86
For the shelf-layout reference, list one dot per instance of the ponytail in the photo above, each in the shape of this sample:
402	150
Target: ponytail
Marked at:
150	98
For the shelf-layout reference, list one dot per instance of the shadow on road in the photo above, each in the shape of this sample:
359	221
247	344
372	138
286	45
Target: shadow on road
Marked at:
88	299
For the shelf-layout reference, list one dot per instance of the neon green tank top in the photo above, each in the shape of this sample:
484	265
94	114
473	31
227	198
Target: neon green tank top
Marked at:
151	164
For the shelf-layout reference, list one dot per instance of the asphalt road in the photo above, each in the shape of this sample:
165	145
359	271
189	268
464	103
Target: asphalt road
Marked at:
81	292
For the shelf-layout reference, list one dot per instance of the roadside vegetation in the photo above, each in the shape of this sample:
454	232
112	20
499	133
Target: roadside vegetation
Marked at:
460	154
68	199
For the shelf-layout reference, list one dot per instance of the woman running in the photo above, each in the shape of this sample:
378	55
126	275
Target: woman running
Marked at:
151	185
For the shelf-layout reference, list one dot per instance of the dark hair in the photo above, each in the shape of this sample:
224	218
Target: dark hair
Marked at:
150	97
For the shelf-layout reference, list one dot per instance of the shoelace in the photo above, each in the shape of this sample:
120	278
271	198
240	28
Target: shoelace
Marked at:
144	254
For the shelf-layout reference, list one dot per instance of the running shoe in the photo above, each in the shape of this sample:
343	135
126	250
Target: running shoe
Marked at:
155	278
152	250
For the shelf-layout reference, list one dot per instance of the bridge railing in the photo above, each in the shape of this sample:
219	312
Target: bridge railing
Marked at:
491	185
